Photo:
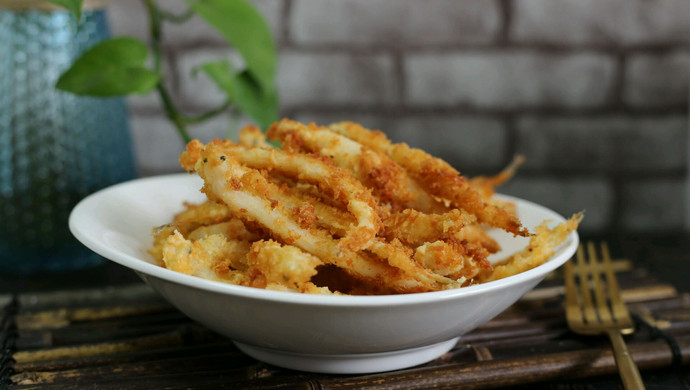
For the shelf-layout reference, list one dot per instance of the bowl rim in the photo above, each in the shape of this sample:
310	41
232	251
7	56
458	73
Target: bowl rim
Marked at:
81	213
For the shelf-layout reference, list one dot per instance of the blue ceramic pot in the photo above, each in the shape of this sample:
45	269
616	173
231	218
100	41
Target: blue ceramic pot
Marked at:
55	148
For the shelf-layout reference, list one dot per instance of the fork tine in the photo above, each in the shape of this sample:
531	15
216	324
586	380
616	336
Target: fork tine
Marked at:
599	294
588	305
620	313
582	316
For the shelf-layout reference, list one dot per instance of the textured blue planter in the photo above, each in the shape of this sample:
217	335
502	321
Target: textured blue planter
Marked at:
55	148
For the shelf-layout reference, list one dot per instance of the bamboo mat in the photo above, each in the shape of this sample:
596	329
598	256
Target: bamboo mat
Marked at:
128	337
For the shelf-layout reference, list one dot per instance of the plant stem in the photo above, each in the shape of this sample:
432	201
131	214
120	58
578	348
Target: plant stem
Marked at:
170	109
156	17
155	30
176	18
207	115
172	113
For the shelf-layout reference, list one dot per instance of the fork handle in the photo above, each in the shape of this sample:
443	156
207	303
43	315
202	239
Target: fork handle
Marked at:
629	373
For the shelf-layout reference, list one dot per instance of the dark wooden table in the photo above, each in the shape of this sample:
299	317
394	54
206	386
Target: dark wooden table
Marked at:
104	329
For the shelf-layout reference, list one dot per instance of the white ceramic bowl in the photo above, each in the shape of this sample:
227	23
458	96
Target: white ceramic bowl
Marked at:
317	333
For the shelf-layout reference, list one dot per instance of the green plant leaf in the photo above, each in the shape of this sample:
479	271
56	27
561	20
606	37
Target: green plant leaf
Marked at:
74	6
260	104
244	91
245	29
113	67
222	73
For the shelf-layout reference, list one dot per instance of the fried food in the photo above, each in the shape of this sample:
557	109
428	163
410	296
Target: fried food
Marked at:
387	180
340	209
212	257
251	196
415	228
277	266
486	185
540	248
238	161
453	259
436	176
252	136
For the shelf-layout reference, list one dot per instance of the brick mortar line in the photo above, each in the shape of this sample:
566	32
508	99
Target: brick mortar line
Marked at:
286	30
442	48
511	136
506	12
617	92
400	79
544	112
630	176
175	82
600	112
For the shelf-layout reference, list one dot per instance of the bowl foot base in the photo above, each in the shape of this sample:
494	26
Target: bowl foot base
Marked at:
349	363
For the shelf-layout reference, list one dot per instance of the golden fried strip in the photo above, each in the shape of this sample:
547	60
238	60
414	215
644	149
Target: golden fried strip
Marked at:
252	136
160	235
330	179
250	195
414	228
199	221
540	248
400	256
330	216
452	259
333	219
233	229
388	180
435	175
212	257
194	216
478	236
486	185
274	264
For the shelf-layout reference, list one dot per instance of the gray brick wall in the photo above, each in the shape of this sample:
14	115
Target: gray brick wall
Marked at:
600	22
657	80
393	23
594	93
309	79
499	79
615	144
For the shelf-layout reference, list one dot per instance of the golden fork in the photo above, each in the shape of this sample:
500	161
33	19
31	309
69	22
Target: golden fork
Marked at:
606	313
